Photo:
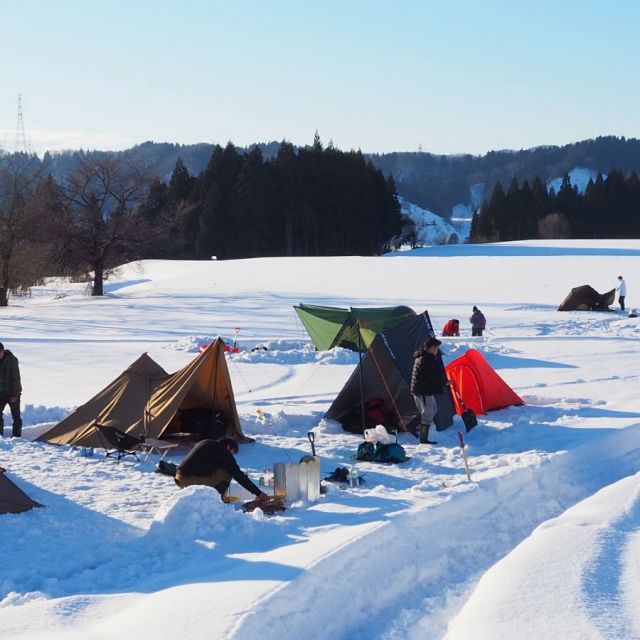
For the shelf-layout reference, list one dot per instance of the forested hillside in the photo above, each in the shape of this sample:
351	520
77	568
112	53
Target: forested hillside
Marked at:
435	182
107	209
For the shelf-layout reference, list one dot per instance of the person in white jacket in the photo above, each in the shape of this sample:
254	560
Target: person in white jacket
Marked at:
622	291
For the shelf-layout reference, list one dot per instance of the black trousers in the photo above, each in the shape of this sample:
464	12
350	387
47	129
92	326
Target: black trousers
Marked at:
621	301
476	331
15	414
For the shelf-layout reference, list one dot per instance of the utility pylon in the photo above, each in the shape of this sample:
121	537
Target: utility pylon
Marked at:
21	137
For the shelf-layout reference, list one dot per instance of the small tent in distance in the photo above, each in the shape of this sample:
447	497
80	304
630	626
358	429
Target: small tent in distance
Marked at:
146	400
480	387
331	327
383	377
12	498
586	298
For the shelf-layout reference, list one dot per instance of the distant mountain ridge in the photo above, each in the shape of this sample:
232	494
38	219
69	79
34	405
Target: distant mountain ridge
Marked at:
440	183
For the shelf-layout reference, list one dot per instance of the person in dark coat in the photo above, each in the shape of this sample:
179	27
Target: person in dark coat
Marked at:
428	380
478	322
10	390
211	462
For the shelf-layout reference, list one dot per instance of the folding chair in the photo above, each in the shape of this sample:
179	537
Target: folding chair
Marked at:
117	443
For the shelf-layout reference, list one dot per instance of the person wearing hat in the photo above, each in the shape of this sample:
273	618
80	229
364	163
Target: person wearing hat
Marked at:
428	380
478	322
10	390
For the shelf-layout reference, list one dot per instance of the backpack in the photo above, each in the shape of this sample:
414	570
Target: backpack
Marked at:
366	451
390	452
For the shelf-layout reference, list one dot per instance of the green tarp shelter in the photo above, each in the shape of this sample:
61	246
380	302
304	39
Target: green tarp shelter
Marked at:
331	327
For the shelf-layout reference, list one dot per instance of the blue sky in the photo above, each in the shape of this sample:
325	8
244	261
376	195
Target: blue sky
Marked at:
447	76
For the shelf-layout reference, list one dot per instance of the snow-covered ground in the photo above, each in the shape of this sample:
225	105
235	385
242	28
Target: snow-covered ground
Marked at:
543	542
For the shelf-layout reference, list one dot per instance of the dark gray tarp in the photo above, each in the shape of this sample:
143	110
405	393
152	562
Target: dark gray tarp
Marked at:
385	373
12	498
586	298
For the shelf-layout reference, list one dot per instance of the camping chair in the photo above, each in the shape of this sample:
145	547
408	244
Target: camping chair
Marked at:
117	443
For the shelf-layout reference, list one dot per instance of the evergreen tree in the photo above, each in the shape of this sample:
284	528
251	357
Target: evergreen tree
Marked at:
180	183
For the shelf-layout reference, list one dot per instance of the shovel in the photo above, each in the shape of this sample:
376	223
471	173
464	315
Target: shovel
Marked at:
312	440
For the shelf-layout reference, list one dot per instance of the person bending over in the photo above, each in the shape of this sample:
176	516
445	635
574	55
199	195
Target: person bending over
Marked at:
212	463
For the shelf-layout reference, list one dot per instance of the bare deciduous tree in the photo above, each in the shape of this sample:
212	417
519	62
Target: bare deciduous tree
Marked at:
19	180
554	225
100	225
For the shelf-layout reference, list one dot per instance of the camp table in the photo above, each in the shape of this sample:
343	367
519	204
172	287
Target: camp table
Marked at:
161	447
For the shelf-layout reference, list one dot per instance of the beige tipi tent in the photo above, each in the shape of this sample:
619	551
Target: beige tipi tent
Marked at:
120	404
203	384
13	499
146	400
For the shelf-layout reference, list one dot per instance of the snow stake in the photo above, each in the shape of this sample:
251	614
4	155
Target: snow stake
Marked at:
464	455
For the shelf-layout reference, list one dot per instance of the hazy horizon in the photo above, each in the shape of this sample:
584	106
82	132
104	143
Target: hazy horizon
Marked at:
376	76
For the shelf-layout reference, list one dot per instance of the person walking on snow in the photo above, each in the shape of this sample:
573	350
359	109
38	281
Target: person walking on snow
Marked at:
478	322
10	390
622	291
428	380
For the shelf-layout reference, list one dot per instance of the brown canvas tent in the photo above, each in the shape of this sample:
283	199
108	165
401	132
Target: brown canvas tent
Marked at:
204	383
586	298
146	400
13	499
121	404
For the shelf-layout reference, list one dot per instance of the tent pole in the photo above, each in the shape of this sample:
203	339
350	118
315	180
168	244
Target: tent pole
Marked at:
360	370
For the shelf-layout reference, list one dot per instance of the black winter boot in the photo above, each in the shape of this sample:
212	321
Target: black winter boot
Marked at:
17	429
424	434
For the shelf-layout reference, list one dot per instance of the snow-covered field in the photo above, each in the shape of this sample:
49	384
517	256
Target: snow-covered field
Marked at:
543	542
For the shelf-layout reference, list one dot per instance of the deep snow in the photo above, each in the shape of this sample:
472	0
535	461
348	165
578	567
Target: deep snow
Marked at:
544	540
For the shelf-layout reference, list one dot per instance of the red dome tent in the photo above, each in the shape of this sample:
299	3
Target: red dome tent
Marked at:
481	388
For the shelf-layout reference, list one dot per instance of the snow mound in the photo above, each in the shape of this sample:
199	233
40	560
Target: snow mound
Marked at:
197	513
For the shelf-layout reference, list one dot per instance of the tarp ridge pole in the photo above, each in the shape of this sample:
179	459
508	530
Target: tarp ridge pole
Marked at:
360	370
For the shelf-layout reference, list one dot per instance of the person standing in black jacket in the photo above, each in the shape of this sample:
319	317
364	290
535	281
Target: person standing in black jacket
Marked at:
428	380
10	390
211	463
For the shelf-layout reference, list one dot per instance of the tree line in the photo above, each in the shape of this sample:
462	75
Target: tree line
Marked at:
608	208
439	182
311	201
